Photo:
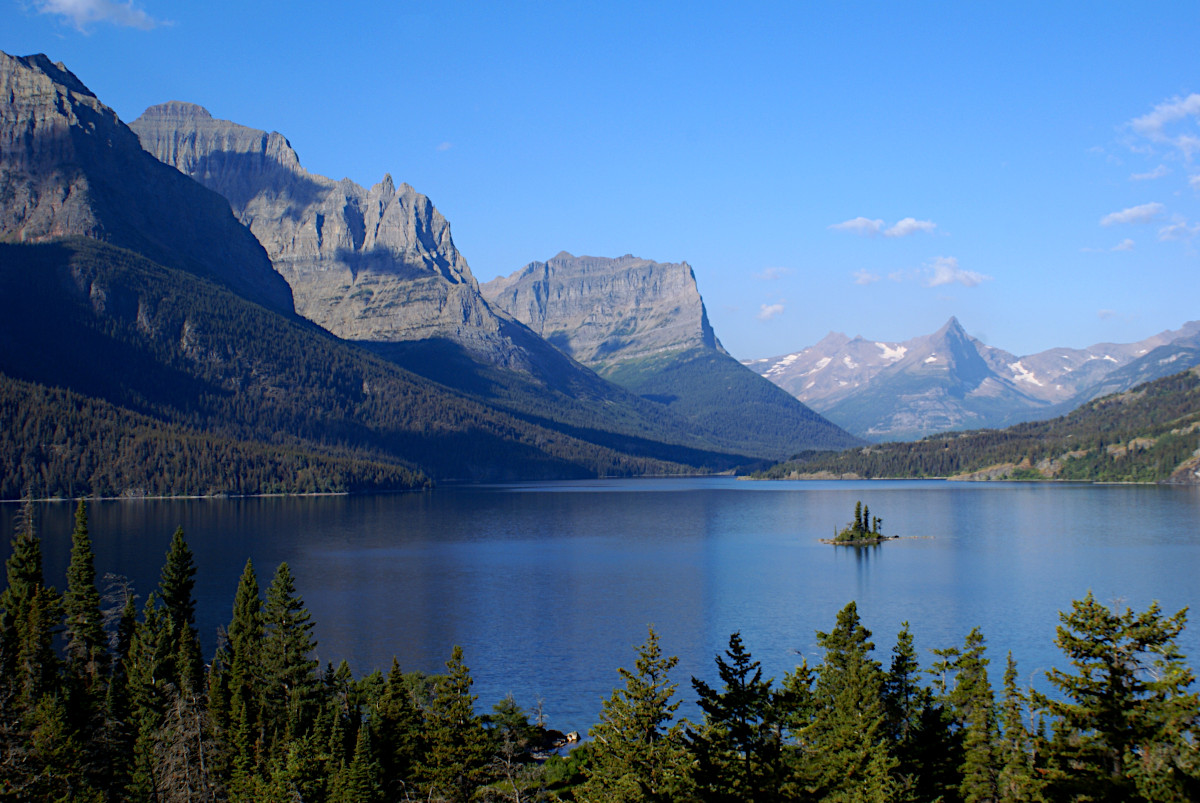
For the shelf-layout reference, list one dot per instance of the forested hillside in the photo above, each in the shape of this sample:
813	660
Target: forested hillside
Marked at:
1148	434
110	325
103	698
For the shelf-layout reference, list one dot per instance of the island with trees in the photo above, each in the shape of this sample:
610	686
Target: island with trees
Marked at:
863	531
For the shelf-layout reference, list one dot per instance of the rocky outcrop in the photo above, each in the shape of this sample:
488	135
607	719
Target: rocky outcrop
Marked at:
69	166
606	311
374	264
642	325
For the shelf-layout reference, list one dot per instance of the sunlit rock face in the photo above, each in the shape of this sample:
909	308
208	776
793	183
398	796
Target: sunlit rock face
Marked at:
374	264
69	166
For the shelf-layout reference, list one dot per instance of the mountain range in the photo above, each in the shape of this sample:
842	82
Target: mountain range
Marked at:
949	380
319	335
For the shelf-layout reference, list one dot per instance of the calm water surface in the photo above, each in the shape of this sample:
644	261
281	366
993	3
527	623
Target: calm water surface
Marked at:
549	587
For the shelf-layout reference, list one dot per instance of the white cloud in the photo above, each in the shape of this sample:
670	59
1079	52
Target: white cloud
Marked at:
865	277
945	270
1179	230
861	226
1157	172
1124	245
1134	214
445	146
82	13
771	274
866	227
768	311
1154	126
908	226
1194	181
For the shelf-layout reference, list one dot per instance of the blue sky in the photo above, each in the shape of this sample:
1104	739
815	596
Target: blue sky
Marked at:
867	168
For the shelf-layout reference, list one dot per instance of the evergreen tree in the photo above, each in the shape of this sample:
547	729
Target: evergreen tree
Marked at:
974	708
916	728
234	699
457	753
1016	782
848	757
86	643
30	615
1128	724
738	751
637	753
148	669
398	726
186	668
290	691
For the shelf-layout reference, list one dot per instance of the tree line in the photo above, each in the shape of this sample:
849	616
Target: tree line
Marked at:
105	699
1142	435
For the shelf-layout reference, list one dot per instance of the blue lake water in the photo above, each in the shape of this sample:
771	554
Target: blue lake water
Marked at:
549	587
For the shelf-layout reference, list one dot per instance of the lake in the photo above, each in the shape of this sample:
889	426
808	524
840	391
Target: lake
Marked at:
549	587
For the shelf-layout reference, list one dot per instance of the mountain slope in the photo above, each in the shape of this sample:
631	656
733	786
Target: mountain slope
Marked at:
375	264
110	325
643	325
1148	434
68	166
949	380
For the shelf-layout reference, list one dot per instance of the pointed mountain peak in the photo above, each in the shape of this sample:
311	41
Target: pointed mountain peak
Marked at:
386	185
56	71
952	326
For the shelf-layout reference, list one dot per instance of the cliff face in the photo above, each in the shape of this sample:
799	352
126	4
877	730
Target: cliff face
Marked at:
642	325
607	311
69	166
374	264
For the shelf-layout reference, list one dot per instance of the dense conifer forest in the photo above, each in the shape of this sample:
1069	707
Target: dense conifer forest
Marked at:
183	360
1143	435
105	695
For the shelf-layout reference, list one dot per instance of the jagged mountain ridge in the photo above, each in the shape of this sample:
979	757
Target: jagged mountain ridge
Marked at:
375	265
213	358
69	166
949	380
643	325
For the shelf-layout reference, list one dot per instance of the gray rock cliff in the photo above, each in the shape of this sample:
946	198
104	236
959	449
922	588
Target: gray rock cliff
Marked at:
69	166
605	311
374	264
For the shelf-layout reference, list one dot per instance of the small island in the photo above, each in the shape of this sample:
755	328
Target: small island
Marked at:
863	531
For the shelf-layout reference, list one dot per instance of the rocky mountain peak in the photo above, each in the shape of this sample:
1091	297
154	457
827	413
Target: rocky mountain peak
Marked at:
375	264
69	166
603	311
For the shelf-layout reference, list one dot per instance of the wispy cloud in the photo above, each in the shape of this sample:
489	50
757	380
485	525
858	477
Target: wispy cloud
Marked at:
1124	245
771	274
1157	172
945	270
1134	214
1154	126
908	226
866	227
1194	181
866	277
444	146
768	311
82	13
1179	229
1106	314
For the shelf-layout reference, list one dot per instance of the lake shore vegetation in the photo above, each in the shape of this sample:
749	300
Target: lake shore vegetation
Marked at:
109	697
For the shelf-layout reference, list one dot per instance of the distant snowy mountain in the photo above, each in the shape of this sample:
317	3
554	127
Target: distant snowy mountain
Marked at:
949	380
